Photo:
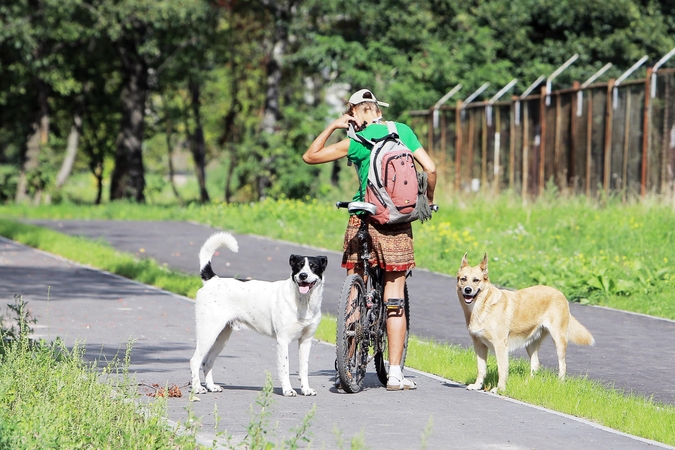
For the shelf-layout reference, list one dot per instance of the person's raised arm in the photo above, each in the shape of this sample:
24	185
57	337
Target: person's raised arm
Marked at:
429	167
318	152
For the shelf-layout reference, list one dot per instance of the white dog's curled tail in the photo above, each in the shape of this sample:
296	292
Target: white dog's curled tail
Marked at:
217	240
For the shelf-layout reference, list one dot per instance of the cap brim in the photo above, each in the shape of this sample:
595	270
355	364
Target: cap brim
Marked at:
382	103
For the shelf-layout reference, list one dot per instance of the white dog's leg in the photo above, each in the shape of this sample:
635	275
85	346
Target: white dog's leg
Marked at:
481	361
282	367
195	364
304	346
211	356
211	338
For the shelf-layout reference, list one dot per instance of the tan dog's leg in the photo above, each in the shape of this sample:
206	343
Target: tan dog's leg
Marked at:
560	341
533	352
502	354
481	361
561	350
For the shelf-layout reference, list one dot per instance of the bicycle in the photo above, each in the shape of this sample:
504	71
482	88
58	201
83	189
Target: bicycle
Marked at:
362	314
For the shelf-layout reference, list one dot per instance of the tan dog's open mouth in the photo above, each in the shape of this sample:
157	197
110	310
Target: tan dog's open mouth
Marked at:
468	298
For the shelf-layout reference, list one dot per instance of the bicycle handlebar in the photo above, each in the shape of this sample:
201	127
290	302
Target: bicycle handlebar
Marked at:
433	206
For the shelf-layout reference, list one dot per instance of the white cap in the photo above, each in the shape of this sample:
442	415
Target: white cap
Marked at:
364	95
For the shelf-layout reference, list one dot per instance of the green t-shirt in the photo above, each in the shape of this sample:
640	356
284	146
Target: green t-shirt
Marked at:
359	154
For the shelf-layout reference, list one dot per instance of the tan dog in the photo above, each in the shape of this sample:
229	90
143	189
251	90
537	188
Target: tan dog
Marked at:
507	320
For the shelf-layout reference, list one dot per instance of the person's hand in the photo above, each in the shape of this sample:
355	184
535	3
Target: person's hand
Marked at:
343	121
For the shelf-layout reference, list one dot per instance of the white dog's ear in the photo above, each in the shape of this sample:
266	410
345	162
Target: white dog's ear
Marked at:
464	261
295	259
484	266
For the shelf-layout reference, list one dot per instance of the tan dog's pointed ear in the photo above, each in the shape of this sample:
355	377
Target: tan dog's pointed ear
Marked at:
484	266
464	261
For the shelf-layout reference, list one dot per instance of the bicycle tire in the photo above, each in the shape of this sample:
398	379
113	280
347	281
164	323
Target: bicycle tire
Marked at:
351	347
382	358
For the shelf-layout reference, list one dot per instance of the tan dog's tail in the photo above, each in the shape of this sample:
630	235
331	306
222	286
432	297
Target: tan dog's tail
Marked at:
578	333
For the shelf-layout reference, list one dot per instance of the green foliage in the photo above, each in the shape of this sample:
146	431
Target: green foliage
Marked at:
58	401
20	324
80	53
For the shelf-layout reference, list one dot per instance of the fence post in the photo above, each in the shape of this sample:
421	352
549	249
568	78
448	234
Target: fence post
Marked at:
458	145
571	159
483	149
556	145
665	142
608	138
542	140
526	149
626	137
589	143
512	142
430	119
646	132
443	142
469	158
497	144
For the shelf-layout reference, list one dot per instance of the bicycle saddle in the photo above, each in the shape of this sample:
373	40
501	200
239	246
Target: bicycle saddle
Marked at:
361	206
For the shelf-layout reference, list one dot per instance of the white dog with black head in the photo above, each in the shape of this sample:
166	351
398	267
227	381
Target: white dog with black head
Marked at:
286	310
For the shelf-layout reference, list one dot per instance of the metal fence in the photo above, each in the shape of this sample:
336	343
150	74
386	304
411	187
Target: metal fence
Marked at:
588	140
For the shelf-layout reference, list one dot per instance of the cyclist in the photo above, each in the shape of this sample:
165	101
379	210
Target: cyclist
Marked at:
391	245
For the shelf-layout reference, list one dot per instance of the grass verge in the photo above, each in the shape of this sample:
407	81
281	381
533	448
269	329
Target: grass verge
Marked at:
610	254
49	398
576	396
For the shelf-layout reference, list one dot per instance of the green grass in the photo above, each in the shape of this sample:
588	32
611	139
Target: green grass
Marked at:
49	398
613	255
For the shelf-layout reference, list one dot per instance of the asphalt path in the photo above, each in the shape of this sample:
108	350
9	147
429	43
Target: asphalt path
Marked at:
75	302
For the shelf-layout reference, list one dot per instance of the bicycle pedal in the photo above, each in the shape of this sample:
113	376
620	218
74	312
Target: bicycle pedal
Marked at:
395	303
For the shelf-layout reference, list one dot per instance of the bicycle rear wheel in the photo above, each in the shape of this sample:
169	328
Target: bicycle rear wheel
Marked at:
352	346
382	357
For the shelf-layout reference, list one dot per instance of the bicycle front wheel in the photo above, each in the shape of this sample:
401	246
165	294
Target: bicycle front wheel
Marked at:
382	356
352	347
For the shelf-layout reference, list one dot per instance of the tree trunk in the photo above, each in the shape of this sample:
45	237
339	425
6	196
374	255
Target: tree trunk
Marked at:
40	137
282	13
198	146
71	151
169	148
128	177
230	174
93	146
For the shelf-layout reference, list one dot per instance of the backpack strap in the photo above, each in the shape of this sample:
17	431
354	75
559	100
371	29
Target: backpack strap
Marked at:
392	128
351	133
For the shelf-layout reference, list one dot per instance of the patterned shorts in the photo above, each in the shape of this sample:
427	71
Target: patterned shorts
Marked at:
391	246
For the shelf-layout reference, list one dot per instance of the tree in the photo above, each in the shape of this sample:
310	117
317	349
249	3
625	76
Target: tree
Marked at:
34	34
136	29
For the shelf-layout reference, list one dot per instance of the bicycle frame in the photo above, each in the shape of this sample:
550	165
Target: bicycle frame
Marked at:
373	279
362	315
